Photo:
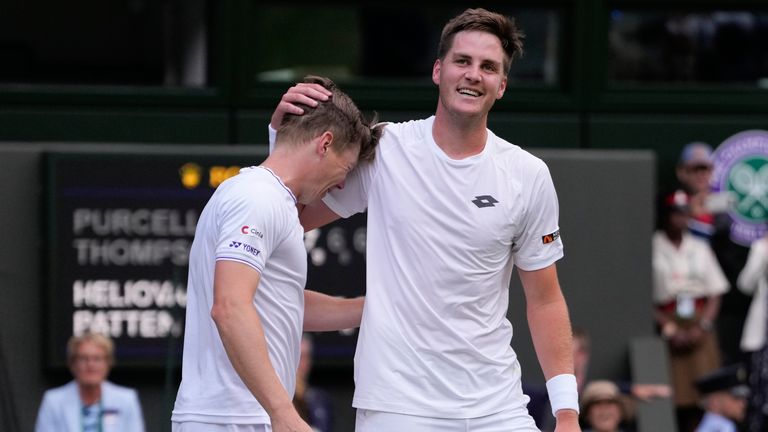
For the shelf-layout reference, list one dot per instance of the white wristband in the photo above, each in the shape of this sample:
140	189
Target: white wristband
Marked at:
563	393
272	137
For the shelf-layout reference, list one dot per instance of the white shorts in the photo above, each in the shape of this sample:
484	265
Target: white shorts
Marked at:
517	420
212	427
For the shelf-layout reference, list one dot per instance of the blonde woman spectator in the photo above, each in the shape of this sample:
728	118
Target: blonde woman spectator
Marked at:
90	403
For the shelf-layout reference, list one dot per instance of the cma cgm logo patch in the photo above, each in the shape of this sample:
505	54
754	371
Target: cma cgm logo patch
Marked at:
251	231
549	238
246	247
484	201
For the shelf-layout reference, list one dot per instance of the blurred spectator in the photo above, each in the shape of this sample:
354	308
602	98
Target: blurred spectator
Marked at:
724	395
90	403
539	407
694	172
313	404
603	407
582	346
687	285
581	355
709	219
753	279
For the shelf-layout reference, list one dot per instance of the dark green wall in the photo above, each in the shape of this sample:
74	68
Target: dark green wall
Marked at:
583	110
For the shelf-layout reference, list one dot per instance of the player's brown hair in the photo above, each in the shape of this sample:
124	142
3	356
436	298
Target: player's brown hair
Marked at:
339	115
501	26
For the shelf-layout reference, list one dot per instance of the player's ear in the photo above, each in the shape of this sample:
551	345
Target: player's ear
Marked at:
323	143
502	88
436	72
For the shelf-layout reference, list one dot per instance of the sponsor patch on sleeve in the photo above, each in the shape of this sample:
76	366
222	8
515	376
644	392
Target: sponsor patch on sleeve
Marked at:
244	247
549	238
251	231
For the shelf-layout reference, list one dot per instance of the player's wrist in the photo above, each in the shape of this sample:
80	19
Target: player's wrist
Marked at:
563	394
567	416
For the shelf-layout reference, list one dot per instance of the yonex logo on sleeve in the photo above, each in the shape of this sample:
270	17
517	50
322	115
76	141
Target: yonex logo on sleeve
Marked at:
246	247
484	201
549	238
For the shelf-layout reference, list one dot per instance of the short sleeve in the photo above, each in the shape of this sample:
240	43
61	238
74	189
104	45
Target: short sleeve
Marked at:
539	244
249	229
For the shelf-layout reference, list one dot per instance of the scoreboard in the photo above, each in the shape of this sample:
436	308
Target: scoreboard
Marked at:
119	227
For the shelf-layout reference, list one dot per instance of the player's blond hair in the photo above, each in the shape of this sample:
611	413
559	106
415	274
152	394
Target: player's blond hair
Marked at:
339	115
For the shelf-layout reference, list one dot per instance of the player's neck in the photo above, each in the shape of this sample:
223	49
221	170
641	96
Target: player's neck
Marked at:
459	137
287	170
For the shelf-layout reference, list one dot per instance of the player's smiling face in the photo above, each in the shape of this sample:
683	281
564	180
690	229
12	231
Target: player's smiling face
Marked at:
471	76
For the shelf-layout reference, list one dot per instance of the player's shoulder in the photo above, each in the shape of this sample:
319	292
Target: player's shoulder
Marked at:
406	129
237	192
513	154
250	178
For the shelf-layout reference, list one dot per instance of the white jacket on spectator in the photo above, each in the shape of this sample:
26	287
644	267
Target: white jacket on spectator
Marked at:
753	279
61	409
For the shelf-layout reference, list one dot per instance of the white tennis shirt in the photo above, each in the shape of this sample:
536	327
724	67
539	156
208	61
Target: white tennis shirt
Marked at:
443	237
251	219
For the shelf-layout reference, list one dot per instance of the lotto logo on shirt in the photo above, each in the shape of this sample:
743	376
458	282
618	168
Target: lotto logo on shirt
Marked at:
251	231
246	247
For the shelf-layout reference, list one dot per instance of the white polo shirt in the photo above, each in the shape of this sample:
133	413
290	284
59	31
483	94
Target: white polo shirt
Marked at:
443	237
251	219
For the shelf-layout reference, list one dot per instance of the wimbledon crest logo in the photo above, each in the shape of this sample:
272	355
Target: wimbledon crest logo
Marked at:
741	170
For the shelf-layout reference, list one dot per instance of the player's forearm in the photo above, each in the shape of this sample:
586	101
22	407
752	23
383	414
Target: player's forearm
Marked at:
243	337
327	313
551	334
552	338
